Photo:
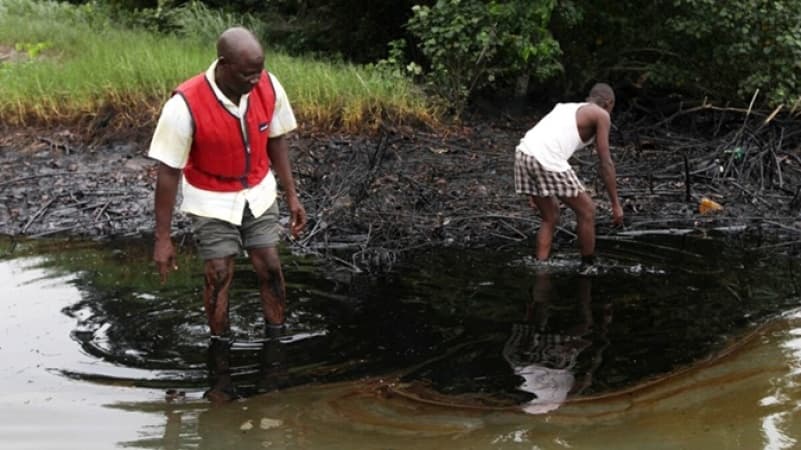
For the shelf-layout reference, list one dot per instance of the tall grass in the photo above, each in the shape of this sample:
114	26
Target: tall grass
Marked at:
72	61
346	95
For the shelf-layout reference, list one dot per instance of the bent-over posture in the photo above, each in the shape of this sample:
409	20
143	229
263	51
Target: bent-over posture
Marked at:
543	173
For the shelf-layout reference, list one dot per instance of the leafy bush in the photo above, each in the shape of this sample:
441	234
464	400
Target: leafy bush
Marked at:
721	50
352	30
736	48
468	44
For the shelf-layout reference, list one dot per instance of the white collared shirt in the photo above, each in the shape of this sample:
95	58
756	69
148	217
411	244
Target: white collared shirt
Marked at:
172	141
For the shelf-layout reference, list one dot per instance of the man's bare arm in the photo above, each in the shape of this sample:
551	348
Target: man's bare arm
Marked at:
278	150
606	168
167	179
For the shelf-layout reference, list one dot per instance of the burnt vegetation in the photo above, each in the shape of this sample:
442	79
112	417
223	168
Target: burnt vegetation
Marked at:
374	199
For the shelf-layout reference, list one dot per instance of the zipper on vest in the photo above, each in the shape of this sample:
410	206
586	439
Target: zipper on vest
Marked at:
243	130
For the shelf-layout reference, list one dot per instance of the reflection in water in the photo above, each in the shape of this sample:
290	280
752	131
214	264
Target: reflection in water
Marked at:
212	430
172	429
442	319
536	351
271	374
222	387
546	358
713	406
776	426
40	408
459	324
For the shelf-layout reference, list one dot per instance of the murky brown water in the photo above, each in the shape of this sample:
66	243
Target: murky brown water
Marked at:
679	342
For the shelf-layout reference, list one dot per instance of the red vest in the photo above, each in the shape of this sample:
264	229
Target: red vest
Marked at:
219	159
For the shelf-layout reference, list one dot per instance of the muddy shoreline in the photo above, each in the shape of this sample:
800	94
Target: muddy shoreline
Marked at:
372	199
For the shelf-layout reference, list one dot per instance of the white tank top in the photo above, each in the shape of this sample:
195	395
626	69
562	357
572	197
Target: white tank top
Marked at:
555	138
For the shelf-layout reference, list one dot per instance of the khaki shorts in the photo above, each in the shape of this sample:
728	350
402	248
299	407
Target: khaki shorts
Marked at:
217	238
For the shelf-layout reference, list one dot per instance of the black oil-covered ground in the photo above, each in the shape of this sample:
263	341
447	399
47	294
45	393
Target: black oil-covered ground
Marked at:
375	199
416	265
489	328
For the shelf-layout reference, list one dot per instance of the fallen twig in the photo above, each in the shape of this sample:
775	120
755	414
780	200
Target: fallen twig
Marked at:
36	215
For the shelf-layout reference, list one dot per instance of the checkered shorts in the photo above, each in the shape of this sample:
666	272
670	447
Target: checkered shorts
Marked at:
531	178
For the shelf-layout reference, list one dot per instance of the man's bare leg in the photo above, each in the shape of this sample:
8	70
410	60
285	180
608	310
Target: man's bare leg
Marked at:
584	208
549	213
272	289
218	275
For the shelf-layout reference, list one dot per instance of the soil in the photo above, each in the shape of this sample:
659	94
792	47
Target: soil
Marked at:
372	199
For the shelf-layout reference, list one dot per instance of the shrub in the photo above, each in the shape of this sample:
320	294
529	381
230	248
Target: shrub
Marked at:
469	44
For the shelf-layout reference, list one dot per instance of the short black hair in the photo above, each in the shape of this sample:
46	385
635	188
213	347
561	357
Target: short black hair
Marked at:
602	91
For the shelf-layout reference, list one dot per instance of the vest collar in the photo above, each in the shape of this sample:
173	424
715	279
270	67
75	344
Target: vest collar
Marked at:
236	110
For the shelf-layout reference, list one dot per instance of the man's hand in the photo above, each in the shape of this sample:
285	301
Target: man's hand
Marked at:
297	216
164	256
277	150
617	215
531	203
166	190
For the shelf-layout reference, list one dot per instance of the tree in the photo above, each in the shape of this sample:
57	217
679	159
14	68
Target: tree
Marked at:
469	44
705	48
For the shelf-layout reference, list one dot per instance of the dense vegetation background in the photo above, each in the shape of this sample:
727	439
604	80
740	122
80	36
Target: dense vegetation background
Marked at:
446	54
723	50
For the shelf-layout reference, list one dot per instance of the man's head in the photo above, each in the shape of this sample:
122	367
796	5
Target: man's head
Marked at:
240	61
602	95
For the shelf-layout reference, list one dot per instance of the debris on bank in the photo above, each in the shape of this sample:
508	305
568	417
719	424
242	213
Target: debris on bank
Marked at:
372	200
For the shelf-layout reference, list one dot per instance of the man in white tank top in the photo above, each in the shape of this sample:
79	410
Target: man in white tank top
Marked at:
543	173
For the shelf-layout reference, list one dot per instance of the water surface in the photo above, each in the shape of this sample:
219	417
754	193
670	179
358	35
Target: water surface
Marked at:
677	342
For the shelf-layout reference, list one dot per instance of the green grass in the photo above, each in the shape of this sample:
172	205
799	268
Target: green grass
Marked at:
71	61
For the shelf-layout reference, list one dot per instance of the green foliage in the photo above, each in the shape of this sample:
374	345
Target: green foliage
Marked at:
96	63
742	46
188	19
353	30
69	20
321	27
32	49
722	50
469	44
524	43
613	41
349	96
92	61
195	20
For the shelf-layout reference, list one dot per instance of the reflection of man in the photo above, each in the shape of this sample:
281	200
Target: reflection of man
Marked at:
222	387
172	429
272	372
547	360
223	425
545	363
272	367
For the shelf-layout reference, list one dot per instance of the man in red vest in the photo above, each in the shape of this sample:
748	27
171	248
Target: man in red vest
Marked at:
225	131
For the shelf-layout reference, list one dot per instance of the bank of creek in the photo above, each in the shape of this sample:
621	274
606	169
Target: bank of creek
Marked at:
382	197
417	318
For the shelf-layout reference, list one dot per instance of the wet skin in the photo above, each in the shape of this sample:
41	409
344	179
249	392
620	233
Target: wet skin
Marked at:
240	66
219	274
591	120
